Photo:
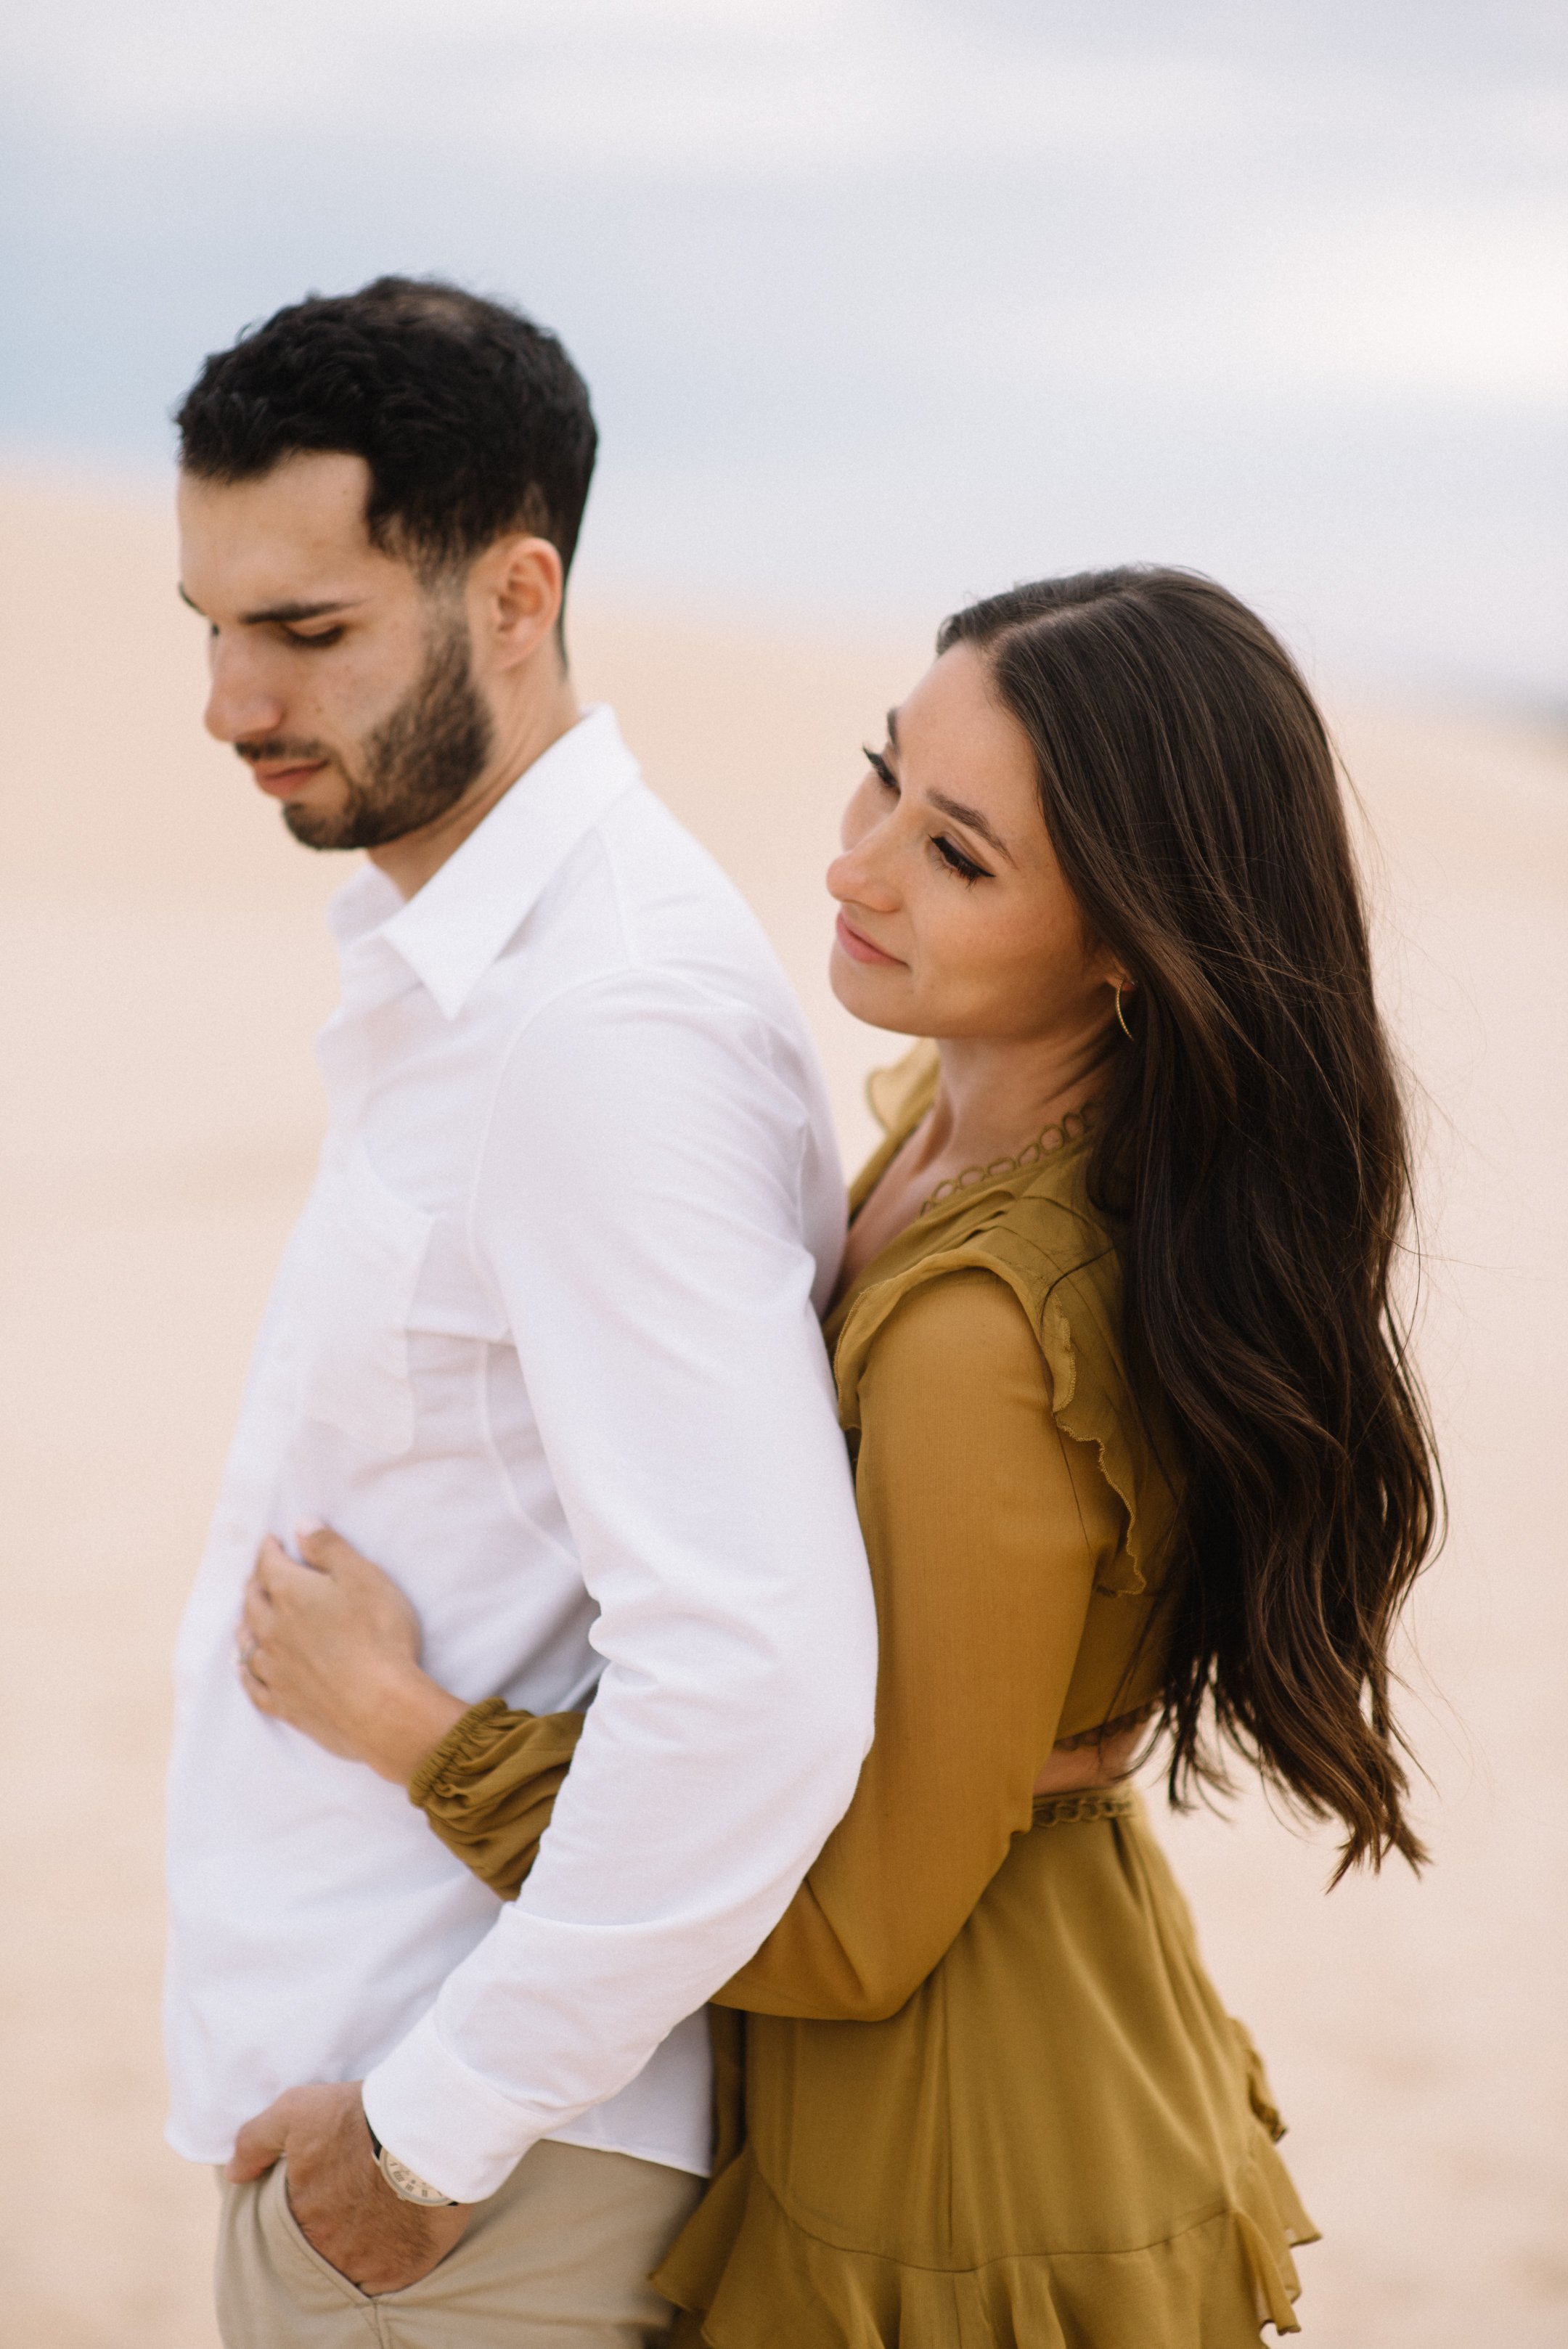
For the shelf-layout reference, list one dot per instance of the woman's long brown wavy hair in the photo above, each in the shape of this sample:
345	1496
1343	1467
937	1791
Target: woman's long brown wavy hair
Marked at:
1253	1152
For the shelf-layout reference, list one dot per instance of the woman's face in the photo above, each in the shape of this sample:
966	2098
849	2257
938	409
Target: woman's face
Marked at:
954	917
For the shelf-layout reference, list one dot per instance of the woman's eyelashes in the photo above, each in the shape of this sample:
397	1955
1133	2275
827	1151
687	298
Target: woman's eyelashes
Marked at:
957	861
951	856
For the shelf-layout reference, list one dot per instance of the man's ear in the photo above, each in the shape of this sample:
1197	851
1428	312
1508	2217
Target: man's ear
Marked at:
517	584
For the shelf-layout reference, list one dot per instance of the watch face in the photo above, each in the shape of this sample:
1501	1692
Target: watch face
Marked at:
408	2185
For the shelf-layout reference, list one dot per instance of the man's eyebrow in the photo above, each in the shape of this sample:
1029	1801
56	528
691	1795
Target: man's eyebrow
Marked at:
285	614
288	613
974	819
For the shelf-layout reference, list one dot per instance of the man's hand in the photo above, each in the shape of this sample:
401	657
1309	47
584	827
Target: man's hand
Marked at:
344	2206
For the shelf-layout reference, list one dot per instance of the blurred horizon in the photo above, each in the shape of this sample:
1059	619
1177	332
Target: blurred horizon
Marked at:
883	306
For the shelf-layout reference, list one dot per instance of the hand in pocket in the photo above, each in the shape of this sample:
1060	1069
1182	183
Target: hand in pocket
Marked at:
341	2203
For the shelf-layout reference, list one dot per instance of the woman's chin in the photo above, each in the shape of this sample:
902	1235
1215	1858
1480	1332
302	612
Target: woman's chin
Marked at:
870	992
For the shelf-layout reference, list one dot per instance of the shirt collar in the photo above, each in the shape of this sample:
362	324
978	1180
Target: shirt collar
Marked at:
452	929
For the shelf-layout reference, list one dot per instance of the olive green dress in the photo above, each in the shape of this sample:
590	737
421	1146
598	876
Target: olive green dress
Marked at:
975	2091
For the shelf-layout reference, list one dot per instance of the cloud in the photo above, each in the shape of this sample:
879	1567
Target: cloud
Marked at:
1224	219
704	87
1468	303
1440	304
1087	272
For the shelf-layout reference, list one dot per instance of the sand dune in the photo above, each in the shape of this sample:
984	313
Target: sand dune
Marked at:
164	967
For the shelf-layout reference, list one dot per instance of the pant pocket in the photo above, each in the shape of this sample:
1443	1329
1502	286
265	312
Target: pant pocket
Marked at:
274	2292
296	2256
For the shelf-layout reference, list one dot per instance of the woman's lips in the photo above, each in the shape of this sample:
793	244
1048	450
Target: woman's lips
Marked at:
859	948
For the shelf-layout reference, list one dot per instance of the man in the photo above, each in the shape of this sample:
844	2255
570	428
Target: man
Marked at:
544	1345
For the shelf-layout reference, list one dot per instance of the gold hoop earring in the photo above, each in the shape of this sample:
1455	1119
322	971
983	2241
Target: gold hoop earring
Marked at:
1121	1016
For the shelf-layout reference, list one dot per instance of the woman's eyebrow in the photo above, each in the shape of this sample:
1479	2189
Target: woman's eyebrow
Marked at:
972	818
958	809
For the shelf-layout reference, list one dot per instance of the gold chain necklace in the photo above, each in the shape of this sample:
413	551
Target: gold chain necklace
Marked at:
1052	1138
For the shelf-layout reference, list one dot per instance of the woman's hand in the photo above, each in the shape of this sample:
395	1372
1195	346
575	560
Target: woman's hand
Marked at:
1077	1769
332	1647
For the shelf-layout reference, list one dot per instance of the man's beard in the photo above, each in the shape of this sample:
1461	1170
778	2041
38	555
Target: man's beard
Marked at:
419	761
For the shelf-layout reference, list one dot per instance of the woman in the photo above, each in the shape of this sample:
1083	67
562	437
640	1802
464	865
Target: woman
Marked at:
1137	1453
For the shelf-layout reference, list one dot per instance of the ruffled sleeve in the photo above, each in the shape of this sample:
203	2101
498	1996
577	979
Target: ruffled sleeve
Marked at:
1064	1275
986	1527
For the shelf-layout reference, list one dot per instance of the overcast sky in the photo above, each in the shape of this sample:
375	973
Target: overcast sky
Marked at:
883	302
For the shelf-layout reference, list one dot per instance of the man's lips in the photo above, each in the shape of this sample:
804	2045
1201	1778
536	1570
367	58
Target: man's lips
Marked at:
859	949
281	782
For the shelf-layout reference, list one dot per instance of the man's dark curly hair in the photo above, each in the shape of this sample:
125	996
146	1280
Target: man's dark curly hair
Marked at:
473	421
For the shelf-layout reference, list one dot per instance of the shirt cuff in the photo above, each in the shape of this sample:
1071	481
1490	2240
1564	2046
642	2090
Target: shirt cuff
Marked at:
453	2127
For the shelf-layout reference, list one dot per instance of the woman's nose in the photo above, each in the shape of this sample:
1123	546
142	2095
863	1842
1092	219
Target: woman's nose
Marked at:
853	879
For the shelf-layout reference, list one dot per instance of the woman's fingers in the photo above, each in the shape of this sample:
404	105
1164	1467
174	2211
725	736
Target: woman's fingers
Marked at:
329	1643
356	1597
289	1588
254	1687
269	1609
273	1567
328	1552
251	1663
255	1611
325	1613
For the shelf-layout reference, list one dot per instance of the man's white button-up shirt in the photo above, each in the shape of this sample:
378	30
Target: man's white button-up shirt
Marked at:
545	1345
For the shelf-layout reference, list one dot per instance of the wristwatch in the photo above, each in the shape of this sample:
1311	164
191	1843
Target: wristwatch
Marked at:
405	2183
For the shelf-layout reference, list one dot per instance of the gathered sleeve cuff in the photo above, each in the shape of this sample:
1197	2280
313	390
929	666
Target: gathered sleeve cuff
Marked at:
489	1787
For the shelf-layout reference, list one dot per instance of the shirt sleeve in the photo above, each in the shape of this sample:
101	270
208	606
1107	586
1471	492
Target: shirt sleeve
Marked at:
639	1214
986	1527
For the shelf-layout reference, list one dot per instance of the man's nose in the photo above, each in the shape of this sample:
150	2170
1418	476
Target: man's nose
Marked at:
242	704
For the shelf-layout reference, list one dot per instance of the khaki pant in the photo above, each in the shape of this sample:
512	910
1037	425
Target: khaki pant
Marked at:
558	2259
